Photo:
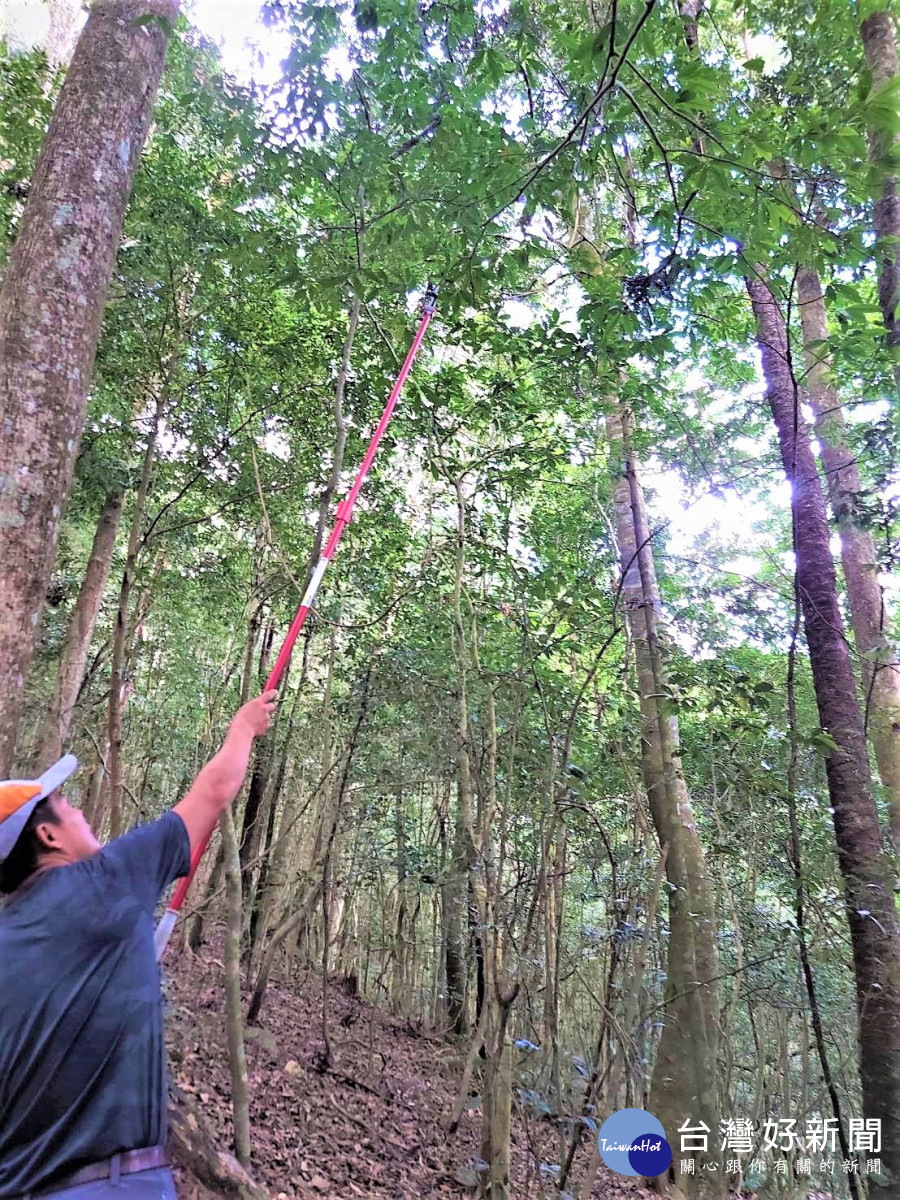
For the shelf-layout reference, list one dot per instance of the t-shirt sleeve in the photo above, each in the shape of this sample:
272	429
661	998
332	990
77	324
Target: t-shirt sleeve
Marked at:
147	859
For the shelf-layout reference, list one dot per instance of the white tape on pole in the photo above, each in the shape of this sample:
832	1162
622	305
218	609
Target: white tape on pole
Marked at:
310	593
163	932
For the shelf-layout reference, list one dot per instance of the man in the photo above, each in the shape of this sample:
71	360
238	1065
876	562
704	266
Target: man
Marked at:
82	1057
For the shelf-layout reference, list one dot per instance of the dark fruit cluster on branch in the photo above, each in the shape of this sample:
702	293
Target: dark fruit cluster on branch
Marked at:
641	290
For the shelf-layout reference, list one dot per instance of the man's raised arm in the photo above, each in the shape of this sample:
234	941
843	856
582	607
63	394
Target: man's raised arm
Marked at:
220	780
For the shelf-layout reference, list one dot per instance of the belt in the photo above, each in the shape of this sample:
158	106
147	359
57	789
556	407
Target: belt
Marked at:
126	1163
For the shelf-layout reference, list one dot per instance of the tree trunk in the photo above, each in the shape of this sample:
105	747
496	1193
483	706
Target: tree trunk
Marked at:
685	1072
265	850
120	633
324	843
90	800
880	43
51	307
278	853
800	905
73	662
240	1098
497	1103
554	902
880	671
498	1068
253	811
192	1147
263	752
868	875
626	1067
497	994
195	938
399	983
464	854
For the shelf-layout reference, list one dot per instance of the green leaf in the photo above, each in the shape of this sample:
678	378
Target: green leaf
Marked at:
823	742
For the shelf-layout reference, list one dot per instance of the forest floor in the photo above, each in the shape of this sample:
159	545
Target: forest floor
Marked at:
369	1122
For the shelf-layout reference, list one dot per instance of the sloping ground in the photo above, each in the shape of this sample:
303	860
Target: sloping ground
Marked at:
366	1121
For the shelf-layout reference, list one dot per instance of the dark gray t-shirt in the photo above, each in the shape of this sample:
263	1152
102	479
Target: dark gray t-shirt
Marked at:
82	1056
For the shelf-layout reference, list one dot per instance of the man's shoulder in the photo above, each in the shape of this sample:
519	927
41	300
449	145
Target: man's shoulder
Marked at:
146	859
134	867
37	891
57	900
161	831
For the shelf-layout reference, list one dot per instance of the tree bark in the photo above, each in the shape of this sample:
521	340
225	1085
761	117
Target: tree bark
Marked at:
464	852
240	1098
192	1147
685	1072
626	1066
880	44
800	904
868	873
51	307
553	872
260	771
73	662
399	983
880	671
497	1101
253	812
272	871
265	847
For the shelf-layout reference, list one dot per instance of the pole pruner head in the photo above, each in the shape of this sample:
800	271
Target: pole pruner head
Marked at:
429	303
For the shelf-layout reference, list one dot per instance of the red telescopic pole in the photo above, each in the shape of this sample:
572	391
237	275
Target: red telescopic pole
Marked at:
343	517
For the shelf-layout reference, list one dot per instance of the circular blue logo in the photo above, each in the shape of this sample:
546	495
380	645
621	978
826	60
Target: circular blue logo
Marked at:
632	1142
650	1155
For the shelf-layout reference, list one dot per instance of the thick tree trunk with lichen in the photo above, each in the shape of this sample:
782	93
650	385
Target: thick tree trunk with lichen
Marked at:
51	307
685	1073
72	664
869	876
880	671
879	36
